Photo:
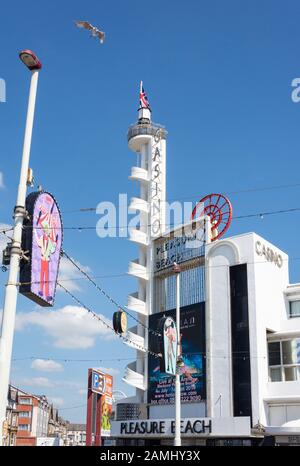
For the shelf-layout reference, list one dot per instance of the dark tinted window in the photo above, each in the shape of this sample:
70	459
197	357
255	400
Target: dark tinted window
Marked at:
274	354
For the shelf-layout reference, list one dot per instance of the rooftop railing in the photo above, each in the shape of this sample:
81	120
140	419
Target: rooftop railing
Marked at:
151	129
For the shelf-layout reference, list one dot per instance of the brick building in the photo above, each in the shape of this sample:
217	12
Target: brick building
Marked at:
10	425
33	412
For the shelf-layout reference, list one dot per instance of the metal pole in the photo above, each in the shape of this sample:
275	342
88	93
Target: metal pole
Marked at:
11	291
177	439
89	411
98	440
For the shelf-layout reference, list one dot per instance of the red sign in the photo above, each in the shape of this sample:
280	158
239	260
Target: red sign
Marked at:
100	388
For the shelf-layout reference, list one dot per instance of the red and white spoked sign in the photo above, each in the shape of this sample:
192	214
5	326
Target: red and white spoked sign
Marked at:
219	209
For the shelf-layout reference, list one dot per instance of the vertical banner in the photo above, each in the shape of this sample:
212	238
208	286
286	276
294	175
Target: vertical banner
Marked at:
169	345
161	386
41	243
107	401
100	388
157	186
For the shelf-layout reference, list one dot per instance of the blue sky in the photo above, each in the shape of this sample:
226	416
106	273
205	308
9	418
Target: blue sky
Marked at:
218	75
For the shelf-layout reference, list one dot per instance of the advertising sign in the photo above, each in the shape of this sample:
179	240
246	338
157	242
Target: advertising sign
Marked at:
120	322
102	384
106	407
169	346
41	243
98	382
189	427
182	246
161	386
157	185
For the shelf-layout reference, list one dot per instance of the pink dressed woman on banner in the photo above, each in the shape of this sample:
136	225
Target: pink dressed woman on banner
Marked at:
47	242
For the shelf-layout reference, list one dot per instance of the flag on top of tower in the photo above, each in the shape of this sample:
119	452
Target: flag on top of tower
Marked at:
143	98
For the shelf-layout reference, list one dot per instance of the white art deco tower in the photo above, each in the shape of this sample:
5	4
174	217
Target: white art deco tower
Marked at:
148	140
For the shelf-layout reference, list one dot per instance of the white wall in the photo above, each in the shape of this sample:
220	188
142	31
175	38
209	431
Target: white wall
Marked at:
188	410
219	257
267	310
34	420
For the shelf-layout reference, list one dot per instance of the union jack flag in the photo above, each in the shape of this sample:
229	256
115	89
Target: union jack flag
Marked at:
143	98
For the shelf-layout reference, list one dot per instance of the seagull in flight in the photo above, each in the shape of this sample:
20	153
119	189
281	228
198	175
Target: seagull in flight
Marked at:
94	31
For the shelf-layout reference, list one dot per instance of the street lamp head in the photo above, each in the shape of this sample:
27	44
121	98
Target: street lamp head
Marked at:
30	60
176	268
180	361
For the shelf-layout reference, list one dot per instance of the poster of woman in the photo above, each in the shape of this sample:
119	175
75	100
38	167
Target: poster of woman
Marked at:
170	346
42	241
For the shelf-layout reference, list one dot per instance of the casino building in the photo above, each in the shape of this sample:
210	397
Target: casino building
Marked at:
240	324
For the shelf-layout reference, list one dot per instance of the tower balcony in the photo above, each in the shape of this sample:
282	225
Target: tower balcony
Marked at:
139	237
135	304
139	174
134	340
136	203
133	378
137	270
142	133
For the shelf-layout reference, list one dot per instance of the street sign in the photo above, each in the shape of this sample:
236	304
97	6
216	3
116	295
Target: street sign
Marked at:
98	382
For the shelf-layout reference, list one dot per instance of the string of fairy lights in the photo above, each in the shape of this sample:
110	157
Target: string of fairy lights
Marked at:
79	228
103	322
107	296
86	276
101	290
124	337
206	355
196	196
113	301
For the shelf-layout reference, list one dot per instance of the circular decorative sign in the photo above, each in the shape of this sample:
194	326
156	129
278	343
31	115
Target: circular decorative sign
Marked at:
219	209
120	321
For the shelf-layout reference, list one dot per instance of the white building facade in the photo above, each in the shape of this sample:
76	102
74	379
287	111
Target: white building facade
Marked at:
240	323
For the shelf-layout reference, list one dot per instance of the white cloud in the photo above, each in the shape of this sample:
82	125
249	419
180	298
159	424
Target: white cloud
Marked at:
68	272
45	382
56	401
69	384
109	370
46	365
2	186
3	238
70	327
41	382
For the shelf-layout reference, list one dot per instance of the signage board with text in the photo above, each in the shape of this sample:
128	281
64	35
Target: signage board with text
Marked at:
161	386
190	427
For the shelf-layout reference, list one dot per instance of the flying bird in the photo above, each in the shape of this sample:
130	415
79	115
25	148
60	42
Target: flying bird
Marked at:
94	31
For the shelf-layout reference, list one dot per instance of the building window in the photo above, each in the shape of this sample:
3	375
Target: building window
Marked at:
191	286
24	414
274	354
275	374
295	308
25	401
284	360
23	427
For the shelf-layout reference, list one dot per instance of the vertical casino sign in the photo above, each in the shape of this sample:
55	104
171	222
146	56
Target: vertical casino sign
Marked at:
41	243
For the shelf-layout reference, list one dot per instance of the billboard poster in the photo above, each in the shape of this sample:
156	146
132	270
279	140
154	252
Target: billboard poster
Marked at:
41	242
101	384
169	350
106	407
161	386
